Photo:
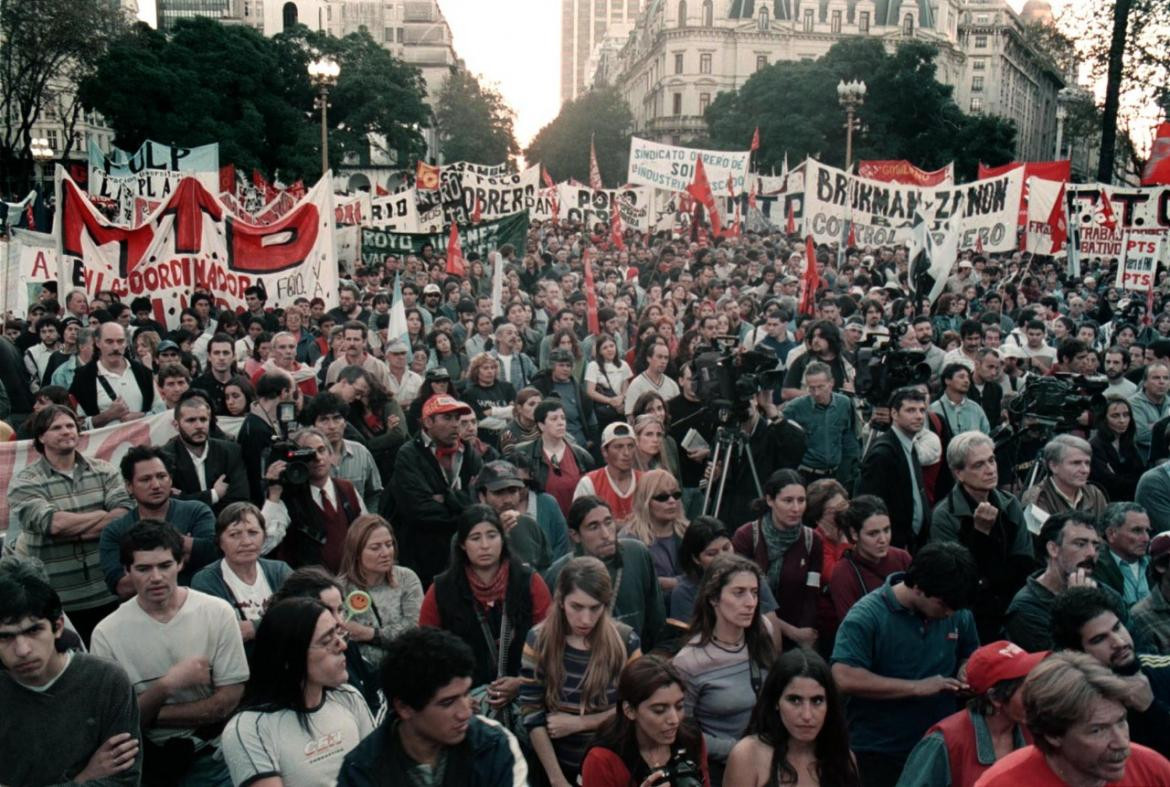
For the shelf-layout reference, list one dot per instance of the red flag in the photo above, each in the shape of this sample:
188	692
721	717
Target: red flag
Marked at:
978	244
752	195
590	296
426	176
615	227
594	170
755	140
456	265
1058	223
811	280
227	179
851	240
700	189
790	226
1157	169
552	190
379	191
1109	218
548	181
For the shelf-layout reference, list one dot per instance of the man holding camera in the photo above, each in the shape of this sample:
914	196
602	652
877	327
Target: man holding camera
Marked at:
308	511
274	399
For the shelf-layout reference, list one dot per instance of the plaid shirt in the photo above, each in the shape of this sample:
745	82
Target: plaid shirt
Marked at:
36	494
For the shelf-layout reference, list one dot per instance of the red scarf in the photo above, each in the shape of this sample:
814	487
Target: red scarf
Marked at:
488	594
446	455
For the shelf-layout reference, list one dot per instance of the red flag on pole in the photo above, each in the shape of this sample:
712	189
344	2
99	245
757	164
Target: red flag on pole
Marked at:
790	226
594	170
615	227
700	189
851	240
755	140
379	191
810	280
552	190
1157	169
456	265
978	244
590	297
1058	222
752	195
1109	218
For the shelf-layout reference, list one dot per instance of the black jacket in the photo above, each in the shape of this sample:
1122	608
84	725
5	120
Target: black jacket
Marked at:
533	450
774	446
457	611
426	507
14	378
991	400
884	473
1117	471
223	458
85	386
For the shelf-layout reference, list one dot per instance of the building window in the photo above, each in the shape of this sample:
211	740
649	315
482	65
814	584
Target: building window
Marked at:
678	62
977	84
708	13
705	64
978	65
762	19
835	22
761	62
677	101
809	20
863	22
704	102
908	25
682	13
51	136
976	104
981	42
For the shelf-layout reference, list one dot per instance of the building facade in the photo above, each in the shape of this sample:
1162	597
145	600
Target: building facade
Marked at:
683	53
585	26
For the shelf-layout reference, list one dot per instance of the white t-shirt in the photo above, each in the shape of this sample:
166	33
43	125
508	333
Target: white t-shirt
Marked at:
256	745
617	377
667	389
204	626
124	385
249	598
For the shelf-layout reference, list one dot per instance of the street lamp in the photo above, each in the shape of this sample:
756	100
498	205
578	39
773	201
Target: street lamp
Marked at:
323	73
851	95
41	152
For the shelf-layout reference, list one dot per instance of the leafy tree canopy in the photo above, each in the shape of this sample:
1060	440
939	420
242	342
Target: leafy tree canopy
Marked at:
563	145
474	122
907	114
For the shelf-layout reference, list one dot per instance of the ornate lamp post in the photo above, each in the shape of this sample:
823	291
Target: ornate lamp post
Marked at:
41	153
323	73
851	95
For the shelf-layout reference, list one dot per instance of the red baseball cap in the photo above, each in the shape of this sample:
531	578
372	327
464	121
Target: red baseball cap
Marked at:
998	661
443	403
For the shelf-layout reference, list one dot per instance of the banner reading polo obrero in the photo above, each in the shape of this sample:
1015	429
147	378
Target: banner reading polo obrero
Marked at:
194	241
1099	216
592	206
883	213
672	168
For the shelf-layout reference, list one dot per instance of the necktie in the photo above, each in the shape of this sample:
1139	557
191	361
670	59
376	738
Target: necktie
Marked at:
916	482
326	505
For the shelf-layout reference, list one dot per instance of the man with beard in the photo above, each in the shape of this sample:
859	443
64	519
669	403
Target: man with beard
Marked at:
204	468
823	339
960	413
36	358
1116	365
1070	543
1087	620
1076	712
923	331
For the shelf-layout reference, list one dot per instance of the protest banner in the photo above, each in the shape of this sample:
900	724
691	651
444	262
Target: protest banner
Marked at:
902	171
487	170
882	214
154	156
492	197
1099	216
1139	265
399	212
481	238
593	206
352	209
672	168
137	183
29	260
193	240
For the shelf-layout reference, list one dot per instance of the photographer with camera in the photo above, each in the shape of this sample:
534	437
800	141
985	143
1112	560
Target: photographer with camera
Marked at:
267	419
308	511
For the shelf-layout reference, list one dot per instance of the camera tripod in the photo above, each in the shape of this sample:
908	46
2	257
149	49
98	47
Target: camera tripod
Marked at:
729	442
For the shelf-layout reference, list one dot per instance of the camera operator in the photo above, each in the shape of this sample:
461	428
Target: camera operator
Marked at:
262	425
309	520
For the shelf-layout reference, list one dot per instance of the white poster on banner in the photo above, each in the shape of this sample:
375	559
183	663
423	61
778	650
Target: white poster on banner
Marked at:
986	211
593	206
30	261
192	241
1139	267
1099	216
672	168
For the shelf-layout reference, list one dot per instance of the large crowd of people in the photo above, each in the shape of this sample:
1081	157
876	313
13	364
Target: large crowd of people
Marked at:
659	528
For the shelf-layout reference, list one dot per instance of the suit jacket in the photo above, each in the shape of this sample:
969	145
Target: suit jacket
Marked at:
885	473
85	386
1107	572
223	458
991	400
1153	494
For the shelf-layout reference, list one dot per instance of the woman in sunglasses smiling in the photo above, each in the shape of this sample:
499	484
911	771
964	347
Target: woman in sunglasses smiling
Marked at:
659	523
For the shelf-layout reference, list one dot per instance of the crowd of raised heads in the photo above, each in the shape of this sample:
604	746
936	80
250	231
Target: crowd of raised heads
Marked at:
661	527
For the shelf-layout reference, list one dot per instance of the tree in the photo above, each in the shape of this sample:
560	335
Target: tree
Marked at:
46	48
563	145
474	122
209	82
908	113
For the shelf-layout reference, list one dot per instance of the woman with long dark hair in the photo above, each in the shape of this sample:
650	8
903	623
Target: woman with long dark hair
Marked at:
797	733
728	656
1117	465
296	700
704	540
649	740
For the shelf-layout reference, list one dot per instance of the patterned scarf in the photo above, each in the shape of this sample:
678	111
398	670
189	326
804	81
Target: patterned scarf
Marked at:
494	591
778	540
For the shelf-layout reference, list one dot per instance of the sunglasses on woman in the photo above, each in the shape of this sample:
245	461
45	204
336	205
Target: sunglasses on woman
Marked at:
662	497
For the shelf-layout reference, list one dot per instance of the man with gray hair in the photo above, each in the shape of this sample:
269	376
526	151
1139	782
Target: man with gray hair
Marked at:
827	418
1151	404
1068	460
1076	711
990	523
1122	566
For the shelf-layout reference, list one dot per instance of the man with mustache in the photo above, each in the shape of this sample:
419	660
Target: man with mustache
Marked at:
1086	620
1076	711
1070	543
